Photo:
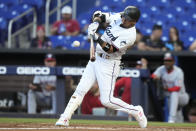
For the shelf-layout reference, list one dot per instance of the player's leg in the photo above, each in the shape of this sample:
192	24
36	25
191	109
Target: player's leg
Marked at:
182	101
86	82
32	104
54	104
173	106
106	74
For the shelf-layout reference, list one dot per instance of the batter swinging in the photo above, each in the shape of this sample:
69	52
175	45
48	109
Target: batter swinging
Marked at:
118	36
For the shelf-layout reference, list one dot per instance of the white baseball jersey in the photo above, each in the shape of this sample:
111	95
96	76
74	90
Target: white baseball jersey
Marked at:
174	78
119	37
45	80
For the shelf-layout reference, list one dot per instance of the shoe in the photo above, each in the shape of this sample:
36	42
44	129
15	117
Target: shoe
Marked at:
62	122
140	117
171	121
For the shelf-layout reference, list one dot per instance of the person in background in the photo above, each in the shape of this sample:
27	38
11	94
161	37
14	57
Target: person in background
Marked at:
125	84
42	90
174	43
153	42
139	37
67	26
193	46
172	78
91	100
41	41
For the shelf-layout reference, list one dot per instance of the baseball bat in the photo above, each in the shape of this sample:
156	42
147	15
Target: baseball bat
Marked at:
92	50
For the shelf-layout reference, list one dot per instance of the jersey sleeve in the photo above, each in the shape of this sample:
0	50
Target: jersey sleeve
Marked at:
179	79
158	71
36	80
123	42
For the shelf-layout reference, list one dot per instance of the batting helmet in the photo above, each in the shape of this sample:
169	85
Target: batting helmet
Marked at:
131	13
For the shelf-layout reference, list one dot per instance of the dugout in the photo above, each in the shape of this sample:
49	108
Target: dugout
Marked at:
35	57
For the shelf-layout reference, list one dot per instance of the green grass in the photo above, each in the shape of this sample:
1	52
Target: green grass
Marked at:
91	122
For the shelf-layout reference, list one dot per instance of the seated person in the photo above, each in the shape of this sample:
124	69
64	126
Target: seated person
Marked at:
42	90
153	42
67	26
41	41
91	100
193	46
174	42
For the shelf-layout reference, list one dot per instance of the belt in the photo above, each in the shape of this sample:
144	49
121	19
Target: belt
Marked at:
102	55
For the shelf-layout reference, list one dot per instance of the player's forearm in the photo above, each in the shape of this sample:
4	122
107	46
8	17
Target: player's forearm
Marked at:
105	46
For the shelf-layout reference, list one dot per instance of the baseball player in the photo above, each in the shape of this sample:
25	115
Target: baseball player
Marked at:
173	83
118	36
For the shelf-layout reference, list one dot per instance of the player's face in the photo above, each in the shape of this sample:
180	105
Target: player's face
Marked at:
66	16
169	64
128	24
50	63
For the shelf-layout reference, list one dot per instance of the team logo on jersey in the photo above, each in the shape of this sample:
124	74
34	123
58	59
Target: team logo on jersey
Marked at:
122	43
109	33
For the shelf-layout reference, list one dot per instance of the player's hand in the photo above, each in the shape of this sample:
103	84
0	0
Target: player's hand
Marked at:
49	88
92	28
165	88
33	87
97	14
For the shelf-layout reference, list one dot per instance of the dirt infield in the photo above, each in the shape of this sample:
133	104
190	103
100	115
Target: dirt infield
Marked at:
85	127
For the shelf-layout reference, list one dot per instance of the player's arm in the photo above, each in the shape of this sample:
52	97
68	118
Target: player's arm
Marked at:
179	82
105	46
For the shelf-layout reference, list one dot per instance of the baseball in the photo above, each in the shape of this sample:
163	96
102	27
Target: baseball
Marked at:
76	43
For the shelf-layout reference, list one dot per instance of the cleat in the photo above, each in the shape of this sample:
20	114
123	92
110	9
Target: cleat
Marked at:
62	122
140	117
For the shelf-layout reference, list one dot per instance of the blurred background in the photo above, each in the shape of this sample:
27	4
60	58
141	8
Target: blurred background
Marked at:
30	29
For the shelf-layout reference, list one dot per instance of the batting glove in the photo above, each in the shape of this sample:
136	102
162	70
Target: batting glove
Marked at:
92	28
97	14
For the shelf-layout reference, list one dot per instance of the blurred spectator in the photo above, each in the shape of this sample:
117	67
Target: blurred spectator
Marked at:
41	41
172	78
42	90
152	42
91	100
192	115
174	43
139	37
193	46
67	26
125	84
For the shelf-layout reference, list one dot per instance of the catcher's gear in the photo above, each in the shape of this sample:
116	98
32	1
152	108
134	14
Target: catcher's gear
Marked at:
131	13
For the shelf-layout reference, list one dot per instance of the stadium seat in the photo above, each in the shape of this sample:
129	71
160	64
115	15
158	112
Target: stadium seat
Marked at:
3	23
138	3
3	7
184	3
58	41
36	3
10	2
159	3
84	19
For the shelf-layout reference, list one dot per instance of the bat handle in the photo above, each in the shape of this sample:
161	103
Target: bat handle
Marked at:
92	50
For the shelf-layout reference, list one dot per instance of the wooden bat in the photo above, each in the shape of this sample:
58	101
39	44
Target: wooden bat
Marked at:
92	50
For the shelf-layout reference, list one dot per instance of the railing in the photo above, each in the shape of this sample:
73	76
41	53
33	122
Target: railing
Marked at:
34	24
58	10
